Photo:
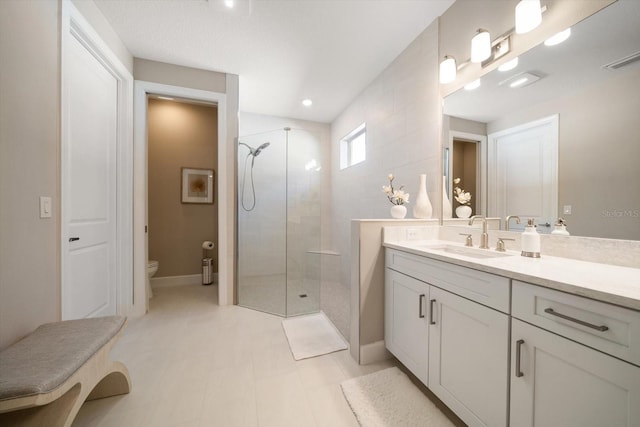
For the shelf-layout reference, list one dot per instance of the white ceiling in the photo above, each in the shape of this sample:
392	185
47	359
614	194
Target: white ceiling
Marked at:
283	50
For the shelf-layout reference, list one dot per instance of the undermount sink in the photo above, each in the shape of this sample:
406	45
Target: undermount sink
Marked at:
467	251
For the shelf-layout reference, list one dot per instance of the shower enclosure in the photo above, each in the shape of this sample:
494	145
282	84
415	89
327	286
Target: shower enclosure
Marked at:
279	221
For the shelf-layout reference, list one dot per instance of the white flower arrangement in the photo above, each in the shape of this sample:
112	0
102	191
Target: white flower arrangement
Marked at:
396	197
461	196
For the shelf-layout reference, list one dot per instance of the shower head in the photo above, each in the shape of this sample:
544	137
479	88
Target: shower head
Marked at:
260	148
255	151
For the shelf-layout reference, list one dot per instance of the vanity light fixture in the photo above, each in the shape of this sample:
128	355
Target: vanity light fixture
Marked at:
509	65
448	70
528	15
307	102
558	38
480	46
473	85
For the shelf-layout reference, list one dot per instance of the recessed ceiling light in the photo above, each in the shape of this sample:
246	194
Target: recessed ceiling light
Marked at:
229	3
307	102
558	38
509	65
473	85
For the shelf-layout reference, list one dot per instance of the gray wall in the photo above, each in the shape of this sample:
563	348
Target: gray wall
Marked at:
598	154
402	111
176	75
29	144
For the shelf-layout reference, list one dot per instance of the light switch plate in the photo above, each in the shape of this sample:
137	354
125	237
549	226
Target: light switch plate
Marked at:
45	207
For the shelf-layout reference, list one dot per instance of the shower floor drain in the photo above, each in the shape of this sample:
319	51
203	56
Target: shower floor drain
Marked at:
302	295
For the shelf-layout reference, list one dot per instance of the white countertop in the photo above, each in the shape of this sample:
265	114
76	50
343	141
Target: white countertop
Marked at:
603	282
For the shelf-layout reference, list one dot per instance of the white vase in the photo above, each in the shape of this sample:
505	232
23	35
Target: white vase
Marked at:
398	211
447	210
422	207
463	211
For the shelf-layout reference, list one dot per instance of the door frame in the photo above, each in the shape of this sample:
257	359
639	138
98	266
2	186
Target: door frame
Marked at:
140	193
73	24
481	167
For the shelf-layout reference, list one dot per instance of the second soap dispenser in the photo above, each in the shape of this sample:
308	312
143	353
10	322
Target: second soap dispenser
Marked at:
530	240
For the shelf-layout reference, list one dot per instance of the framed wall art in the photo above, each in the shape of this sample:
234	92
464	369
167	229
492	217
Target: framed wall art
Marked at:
197	185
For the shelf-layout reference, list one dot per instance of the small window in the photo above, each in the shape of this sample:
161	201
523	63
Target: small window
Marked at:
353	147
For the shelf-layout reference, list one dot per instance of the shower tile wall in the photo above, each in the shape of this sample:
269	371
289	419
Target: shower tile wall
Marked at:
305	206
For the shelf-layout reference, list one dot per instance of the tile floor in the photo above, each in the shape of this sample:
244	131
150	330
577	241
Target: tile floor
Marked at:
194	363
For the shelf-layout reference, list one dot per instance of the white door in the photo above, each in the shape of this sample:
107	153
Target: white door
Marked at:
89	145
523	173
558	382
406	321
469	358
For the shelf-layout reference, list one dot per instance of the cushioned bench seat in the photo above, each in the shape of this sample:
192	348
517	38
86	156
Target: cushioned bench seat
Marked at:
45	377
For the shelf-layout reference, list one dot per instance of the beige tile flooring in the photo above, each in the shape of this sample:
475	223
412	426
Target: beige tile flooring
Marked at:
194	363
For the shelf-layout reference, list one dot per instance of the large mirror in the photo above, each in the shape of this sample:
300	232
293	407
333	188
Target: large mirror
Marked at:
565	142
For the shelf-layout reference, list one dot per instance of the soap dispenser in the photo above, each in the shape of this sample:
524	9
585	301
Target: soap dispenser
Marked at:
560	228
530	240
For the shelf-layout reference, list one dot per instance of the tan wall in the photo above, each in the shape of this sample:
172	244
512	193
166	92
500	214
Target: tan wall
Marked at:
180	135
176	75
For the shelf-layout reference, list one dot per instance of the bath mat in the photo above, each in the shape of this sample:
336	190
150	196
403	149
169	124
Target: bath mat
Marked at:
312	335
389	398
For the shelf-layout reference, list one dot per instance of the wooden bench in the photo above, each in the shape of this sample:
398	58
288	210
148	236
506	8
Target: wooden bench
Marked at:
46	377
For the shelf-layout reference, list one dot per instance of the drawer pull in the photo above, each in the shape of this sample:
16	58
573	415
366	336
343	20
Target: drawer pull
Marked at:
600	328
518	351
420	313
431	321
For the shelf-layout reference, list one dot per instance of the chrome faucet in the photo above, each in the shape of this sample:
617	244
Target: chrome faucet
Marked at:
484	237
508	220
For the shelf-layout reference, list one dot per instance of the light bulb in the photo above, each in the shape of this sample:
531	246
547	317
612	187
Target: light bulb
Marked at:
480	46
509	65
558	38
473	85
448	70
528	15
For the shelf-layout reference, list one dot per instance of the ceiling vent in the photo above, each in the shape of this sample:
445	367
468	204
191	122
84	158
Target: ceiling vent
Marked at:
623	61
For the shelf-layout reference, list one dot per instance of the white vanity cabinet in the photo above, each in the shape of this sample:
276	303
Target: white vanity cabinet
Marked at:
456	346
469	358
556	381
406	325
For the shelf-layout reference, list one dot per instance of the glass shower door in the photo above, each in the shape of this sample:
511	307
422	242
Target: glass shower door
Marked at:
262	210
279	222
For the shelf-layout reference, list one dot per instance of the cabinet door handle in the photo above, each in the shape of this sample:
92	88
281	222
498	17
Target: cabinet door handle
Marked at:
518	351
431	321
73	239
600	328
420	304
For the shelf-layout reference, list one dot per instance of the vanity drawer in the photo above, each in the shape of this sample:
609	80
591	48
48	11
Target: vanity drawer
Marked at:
484	288
608	328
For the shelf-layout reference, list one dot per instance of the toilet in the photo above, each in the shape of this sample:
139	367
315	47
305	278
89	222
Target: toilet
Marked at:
152	268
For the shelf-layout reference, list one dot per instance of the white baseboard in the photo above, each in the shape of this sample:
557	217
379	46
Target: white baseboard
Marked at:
168	281
374	352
